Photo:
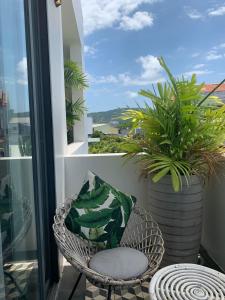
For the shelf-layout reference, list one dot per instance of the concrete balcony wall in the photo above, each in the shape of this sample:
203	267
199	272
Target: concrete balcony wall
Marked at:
213	238
72	24
110	167
79	18
125	177
65	31
58	94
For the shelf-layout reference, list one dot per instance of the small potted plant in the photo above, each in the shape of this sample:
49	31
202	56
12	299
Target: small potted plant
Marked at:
180	144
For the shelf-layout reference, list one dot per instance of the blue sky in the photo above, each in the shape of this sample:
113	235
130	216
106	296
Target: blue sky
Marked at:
123	39
13	61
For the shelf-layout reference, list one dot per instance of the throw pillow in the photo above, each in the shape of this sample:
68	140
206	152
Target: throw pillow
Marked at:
100	213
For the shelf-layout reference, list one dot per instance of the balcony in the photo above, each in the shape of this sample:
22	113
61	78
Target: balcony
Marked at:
56	170
126	177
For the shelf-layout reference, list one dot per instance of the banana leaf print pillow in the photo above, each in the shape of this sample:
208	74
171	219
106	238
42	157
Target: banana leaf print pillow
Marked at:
100	213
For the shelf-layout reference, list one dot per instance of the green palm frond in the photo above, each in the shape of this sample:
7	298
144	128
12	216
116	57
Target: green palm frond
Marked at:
74	76
179	137
74	111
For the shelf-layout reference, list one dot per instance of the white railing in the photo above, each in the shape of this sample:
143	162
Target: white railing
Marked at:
126	177
111	167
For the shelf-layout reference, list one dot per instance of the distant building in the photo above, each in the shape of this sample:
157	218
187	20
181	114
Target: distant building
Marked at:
220	92
89	121
106	128
3	124
19	125
124	131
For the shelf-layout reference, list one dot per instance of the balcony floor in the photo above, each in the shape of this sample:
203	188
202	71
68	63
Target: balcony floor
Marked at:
86	291
67	282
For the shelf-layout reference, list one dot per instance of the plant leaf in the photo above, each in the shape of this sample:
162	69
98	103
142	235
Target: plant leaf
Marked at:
175	180
70	221
95	219
93	199
160	174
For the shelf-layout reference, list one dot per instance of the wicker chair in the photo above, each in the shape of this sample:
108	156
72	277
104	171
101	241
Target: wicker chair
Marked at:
141	233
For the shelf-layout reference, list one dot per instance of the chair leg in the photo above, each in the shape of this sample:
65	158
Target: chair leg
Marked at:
109	293
75	286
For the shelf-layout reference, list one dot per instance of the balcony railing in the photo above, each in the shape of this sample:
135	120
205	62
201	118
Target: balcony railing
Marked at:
126	177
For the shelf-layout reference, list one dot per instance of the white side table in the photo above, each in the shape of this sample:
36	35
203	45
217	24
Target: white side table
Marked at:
187	282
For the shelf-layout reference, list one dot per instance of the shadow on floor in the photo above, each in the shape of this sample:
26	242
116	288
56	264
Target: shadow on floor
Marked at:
67	282
86	291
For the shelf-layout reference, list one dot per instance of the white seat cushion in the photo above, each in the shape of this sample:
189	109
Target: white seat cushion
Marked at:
119	263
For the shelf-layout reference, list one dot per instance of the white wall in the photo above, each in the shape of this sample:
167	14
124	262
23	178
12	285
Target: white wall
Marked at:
80	131
77	148
213	238
110	167
58	94
125	177
79	18
73	49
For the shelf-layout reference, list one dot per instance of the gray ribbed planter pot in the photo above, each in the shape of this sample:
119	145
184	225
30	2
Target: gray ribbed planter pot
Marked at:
179	216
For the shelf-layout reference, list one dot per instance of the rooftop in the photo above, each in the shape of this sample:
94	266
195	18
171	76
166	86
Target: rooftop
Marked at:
209	87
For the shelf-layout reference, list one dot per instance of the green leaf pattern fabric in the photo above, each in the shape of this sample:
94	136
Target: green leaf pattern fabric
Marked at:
100	213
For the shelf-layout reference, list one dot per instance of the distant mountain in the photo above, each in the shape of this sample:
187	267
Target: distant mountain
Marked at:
106	116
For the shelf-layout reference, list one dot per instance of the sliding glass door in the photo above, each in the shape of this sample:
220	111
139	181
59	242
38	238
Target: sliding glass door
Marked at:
28	254
22	257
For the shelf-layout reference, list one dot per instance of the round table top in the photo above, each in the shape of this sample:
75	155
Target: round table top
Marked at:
187	282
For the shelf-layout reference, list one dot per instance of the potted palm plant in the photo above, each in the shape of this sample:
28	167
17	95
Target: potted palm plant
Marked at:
74	78
180	145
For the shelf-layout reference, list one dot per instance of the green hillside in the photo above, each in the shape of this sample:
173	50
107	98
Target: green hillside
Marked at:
106	116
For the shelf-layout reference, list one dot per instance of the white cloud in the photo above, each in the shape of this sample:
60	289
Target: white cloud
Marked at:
199	69
137	22
213	55
219	47
199	66
180	49
90	50
196	54
213	12
99	14
151	72
22	71
222	45
220	11
197	72
131	94
104	79
193	13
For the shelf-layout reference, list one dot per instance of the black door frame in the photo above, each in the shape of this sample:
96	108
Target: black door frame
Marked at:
42	140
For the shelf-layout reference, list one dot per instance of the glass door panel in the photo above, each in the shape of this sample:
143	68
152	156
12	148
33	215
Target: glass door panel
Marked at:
18	245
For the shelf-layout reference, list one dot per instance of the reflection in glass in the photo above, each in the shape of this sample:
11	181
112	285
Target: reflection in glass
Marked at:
18	249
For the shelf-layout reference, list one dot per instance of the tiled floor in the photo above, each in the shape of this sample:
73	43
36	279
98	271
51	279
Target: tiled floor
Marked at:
87	291
132	293
67	282
18	279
